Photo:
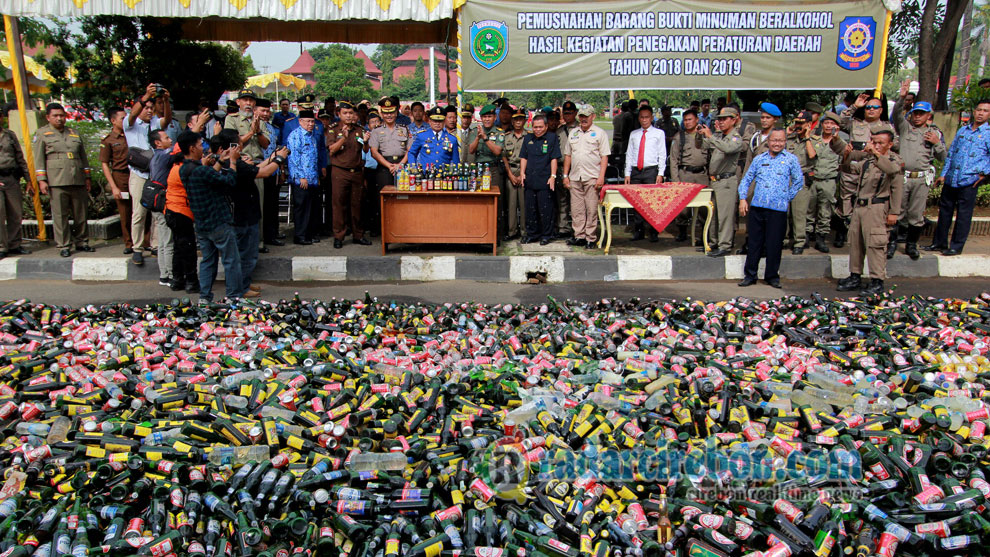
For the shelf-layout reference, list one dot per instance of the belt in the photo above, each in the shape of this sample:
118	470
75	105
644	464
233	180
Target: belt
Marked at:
863	202
914	173
392	158
645	168
355	169
723	176
820	179
695	169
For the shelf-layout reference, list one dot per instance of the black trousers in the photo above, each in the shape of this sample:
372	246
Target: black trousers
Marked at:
269	208
961	201
371	211
321	221
302	211
766	228
646	176
184	253
540	209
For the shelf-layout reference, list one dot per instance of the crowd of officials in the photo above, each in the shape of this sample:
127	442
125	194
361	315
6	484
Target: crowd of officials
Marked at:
213	184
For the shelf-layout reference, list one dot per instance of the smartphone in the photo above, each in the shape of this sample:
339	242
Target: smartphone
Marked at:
125	195
233	145
859	145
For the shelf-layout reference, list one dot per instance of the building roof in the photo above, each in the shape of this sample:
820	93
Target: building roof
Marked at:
414	54
369	67
303	65
441	79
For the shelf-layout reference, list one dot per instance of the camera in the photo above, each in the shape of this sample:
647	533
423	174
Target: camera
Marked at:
859	145
159	89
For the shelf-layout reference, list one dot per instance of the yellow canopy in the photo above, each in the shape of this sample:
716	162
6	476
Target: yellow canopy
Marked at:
38	77
275	82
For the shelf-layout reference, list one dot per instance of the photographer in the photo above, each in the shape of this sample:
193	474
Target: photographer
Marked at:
208	181
138	124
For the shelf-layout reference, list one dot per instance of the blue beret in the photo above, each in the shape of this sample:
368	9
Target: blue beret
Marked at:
770	109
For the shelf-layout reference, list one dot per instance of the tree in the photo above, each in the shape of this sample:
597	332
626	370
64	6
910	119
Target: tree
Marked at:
324	51
341	75
249	65
113	58
413	86
934	49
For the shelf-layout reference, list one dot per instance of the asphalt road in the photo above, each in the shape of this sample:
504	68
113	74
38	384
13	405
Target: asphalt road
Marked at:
82	293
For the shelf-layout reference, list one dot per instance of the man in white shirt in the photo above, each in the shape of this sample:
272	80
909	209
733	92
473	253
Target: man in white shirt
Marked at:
646	160
138	123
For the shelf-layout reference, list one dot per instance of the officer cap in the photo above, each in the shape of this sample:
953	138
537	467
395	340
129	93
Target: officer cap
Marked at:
922	106
387	105
323	113
468	110
232	107
437	114
770	109
247	94
345	104
520	113
308	98
804	115
727	112
451	109
568	106
814	107
488	109
829	115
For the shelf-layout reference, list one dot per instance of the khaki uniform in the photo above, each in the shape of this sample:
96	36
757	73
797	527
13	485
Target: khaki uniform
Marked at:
859	131
919	157
827	161
484	155
392	144
463	141
799	204
689	163
878	193
113	152
60	159
347	179
13	168
723	170
241	122
516	199
585	149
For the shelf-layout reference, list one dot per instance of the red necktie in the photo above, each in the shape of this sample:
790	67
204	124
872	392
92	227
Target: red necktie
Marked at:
642	152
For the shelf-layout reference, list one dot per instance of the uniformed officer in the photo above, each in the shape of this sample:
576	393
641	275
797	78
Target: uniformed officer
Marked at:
347	140
516	202
585	160
568	117
922	143
13	168
688	163
860	132
253	135
434	146
876	206
390	147
63	171
829	148
800	145
468	125
539	155
113	159
725	146
486	143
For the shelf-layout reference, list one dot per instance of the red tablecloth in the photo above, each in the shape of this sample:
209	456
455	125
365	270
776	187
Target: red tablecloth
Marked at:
658	203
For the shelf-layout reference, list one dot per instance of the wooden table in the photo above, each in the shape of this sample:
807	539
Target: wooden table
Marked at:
439	217
613	199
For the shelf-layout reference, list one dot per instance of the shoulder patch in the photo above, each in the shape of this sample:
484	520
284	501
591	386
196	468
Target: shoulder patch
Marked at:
49	133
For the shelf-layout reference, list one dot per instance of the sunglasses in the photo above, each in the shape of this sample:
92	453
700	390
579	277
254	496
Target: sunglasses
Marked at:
873	107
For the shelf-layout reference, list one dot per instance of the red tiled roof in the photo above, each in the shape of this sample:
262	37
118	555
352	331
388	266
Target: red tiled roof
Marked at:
414	54
303	65
441	80
369	67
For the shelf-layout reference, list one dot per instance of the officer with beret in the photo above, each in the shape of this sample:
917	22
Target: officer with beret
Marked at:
922	143
436	145
486	144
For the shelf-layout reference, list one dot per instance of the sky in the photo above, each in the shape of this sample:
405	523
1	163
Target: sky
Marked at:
277	56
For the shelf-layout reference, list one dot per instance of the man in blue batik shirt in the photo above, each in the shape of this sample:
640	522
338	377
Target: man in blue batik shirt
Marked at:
965	170
304	173
777	178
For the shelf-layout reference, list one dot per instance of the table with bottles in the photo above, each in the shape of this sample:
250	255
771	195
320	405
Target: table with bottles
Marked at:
440	204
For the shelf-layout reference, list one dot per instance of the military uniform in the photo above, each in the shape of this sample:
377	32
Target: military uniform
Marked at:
347	178
484	155
799	203
390	143
60	158
919	157
723	170
827	161
113	153
13	167
516	198
860	132
563	197
878	194
241	123
688	163
463	140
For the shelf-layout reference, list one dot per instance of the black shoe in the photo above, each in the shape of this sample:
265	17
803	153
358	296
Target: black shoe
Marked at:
137	258
934	247
951	251
511	237
128	251
337	244
637	236
526	240
65	252
375	233
153	252
590	245
746	282
850	283
85	248
797	250
19	250
742	251
280	236
775	282
719	253
840	239
263	249
362	241
164	281
3	254
544	241
177	285
820	243
891	249
912	251
654	237
302	242
682	234
579	242
275	242
875	287
192	287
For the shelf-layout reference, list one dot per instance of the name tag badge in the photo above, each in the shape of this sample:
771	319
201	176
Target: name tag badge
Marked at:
545	148
70	155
